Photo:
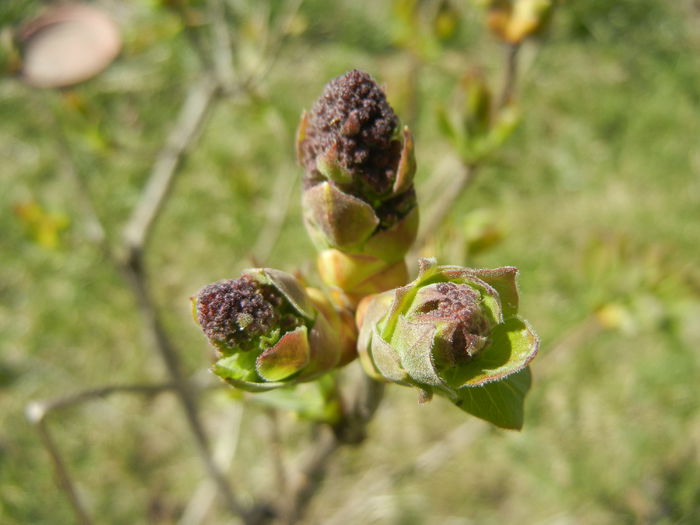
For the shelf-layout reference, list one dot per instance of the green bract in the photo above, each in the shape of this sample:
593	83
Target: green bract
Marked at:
453	331
271	332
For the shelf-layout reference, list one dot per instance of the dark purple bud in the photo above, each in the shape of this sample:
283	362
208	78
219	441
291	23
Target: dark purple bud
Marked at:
237	312
354	120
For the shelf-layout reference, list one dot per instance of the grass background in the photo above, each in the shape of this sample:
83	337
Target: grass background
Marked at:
596	198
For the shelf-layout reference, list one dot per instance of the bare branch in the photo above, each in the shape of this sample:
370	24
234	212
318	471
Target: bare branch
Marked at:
35	414
184	132
510	79
276	213
224	450
352	430
134	273
40	409
186	129
222	53
442	207
310	476
276	450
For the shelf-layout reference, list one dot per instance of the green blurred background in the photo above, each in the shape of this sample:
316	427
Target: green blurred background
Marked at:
596	198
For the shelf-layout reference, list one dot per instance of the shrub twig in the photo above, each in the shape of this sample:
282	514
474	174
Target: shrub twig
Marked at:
350	431
510	79
468	172
38	411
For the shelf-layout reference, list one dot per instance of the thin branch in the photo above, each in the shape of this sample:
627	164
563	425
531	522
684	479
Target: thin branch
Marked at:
37	412
369	485
351	431
134	273
128	261
276	450
43	408
186	129
510	79
222	53
184	132
276	214
442	207
224	451
35	415
310	476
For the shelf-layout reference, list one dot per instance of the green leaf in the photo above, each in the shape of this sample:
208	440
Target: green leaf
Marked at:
513	345
506	123
500	403
445	125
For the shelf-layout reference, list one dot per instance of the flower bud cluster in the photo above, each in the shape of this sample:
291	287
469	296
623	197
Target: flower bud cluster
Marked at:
359	202
453	331
269	331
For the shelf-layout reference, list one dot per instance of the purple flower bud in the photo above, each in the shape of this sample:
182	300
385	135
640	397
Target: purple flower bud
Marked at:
454	332
353	119
235	313
270	331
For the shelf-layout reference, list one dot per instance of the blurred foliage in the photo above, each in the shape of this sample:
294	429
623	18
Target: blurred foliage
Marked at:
596	198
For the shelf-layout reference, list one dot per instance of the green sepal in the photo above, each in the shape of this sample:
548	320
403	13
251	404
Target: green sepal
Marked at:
503	280
288	356
336	219
324	350
238	370
407	164
327	164
414	343
387	360
288	286
500	403
374	311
